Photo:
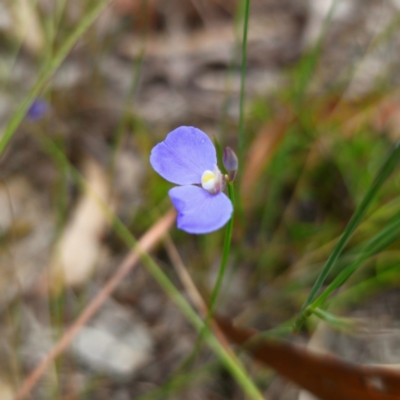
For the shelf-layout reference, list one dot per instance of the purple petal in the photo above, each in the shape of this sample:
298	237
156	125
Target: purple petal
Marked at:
184	155
200	211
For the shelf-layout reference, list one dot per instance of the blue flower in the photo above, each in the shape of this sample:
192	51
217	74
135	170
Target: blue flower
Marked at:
37	109
187	157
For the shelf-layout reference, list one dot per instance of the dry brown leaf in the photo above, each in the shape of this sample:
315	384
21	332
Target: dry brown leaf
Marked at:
326	376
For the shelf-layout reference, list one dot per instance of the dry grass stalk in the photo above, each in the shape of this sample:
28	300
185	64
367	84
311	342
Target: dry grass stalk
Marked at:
145	244
192	290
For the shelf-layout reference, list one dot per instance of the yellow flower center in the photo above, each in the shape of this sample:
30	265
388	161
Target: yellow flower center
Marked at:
213	181
208	180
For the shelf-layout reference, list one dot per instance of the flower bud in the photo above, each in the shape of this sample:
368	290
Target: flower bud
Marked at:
230	162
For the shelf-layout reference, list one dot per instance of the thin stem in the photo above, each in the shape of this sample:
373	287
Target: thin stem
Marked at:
214	295
225	255
243	82
241	135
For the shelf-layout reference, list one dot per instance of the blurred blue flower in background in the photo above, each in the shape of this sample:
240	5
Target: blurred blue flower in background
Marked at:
37	109
187	157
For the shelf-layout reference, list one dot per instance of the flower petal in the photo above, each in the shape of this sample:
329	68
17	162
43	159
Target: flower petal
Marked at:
200	211
184	155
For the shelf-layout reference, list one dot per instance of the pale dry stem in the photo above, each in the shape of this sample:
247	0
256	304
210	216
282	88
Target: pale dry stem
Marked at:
192	290
145	244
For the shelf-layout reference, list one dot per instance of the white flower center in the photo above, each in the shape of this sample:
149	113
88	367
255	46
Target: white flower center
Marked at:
212	181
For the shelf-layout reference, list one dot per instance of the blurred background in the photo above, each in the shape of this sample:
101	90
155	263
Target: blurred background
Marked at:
321	111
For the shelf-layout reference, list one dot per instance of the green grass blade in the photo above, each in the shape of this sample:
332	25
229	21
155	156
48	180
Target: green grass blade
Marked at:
343	324
48	71
243	82
360	211
386	237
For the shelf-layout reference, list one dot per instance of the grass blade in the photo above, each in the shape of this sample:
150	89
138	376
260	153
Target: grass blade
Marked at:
360	211
374	246
243	82
48	71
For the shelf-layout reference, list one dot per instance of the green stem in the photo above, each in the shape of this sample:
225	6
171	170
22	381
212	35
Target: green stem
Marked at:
225	255
243	82
214	295
241	136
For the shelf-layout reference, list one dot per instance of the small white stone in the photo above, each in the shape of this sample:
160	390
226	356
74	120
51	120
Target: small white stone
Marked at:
116	344
105	352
